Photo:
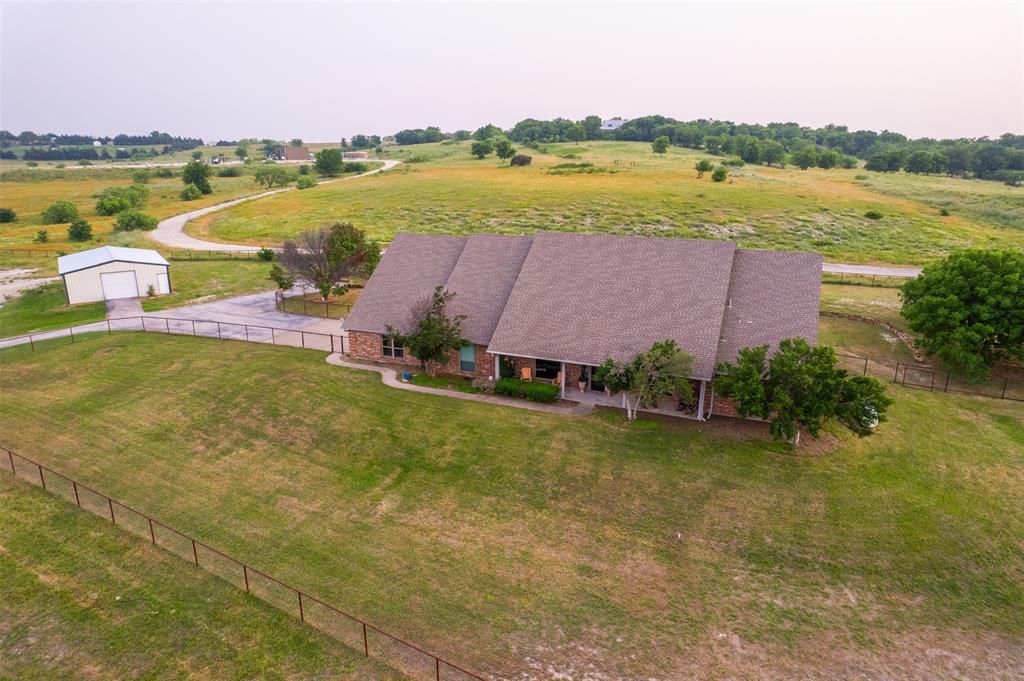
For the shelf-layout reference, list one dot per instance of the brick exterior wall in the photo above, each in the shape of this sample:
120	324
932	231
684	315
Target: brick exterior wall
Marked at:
370	347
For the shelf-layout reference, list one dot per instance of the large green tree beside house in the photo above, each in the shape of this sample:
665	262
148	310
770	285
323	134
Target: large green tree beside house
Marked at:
328	256
433	332
663	370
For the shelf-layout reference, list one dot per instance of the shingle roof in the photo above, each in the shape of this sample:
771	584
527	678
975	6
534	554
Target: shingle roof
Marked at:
296	153
482	280
773	295
413	266
104	254
585	298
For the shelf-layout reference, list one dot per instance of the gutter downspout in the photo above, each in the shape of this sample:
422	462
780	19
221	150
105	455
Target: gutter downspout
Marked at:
700	402
561	389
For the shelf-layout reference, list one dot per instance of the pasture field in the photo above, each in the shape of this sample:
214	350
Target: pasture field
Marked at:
83	599
626	189
530	545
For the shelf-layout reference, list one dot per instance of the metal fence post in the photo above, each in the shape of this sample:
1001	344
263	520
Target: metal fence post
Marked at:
302	613
195	554
71	330
193	327
245	573
78	502
1002	395
152	534
42	480
108	327
218	330
897	374
10	455
31	344
366	644
111	505
167	326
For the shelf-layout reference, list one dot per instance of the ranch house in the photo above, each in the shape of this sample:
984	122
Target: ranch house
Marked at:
554	306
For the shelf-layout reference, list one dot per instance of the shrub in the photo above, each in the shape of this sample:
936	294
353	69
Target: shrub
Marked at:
60	211
42	236
535	392
164	172
305	182
860	176
80	230
198	173
8	215
32	164
60	165
81	163
113	200
521	160
943	211
191	193
150	291
719	174
131	220
734	162
304	169
265	254
230	171
140	177
873	215
484	384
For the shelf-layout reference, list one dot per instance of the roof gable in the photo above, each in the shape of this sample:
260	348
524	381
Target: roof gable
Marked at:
585	298
104	254
482	279
412	267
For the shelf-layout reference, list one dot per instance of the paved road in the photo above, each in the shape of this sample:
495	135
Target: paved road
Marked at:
170	232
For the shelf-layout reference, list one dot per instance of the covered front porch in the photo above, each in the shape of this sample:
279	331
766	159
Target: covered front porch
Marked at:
576	382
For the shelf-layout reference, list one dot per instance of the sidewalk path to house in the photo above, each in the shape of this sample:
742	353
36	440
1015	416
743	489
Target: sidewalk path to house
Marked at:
171	232
390	378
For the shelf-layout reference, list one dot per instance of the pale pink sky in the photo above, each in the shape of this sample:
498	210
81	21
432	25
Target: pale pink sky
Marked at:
325	70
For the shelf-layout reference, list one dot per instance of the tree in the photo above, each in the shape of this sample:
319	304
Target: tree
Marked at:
967	309
703	166
60	212
486	132
433	334
592	126
720	174
242	151
804	158
576	133
800	387
113	200
504	149
198	174
329	162
79	230
8	215
661	144
296	142
330	254
281	277
196	155
661	371
131	219
190	193
772	152
270	175
481	148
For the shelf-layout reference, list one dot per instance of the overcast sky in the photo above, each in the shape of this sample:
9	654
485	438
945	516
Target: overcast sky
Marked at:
326	70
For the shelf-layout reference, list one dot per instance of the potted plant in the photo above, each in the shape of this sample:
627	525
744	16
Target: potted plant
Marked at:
582	382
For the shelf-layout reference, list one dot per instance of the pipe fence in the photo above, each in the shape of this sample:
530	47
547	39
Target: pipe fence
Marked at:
300	304
353	631
170	254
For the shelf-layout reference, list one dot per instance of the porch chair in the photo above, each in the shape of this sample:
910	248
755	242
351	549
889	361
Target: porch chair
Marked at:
526	374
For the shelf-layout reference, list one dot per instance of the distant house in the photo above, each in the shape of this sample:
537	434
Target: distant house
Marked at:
95	143
612	123
112	272
296	154
555	306
355	155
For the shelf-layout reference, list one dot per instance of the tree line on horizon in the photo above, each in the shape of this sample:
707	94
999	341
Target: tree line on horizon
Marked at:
775	143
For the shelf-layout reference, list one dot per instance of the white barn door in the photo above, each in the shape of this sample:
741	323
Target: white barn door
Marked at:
119	285
162	284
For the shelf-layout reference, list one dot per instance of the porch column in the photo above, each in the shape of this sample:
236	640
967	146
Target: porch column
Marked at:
561	388
497	366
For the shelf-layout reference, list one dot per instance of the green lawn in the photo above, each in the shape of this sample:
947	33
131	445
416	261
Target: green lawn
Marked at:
529	544
202	281
637	192
45	307
82	599
873	302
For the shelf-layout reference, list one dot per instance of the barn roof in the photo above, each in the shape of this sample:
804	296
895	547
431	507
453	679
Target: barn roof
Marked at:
104	254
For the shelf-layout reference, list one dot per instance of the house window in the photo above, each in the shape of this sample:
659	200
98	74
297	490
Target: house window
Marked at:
467	358
547	369
392	349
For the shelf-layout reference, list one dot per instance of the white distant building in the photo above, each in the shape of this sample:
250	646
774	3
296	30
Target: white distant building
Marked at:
97	143
612	123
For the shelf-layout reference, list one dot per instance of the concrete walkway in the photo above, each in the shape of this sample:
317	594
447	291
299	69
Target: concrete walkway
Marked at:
389	377
171	232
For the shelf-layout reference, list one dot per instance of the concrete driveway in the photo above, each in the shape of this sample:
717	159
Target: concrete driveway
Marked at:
257	309
124	307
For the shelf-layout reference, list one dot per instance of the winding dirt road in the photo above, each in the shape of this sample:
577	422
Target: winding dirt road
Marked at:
171	232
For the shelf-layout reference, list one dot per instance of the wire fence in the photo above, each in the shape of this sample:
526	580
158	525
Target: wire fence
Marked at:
879	280
170	254
932	379
253	333
353	631
300	304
